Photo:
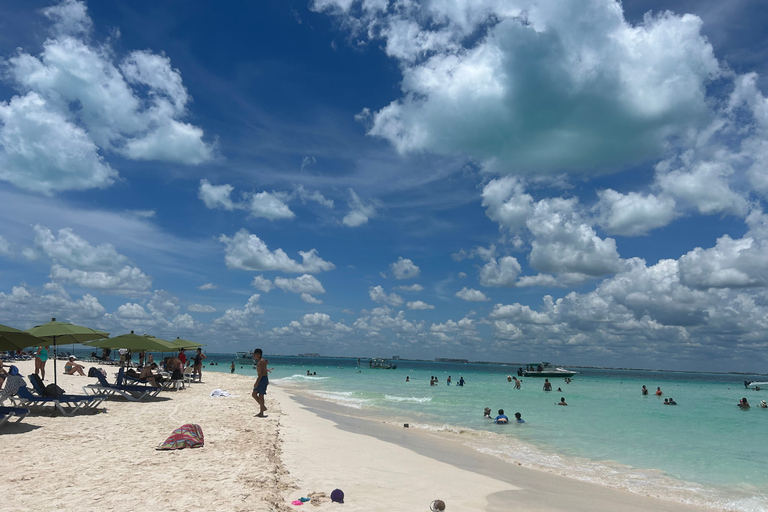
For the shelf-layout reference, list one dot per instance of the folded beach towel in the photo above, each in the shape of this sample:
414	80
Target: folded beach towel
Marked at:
187	436
220	392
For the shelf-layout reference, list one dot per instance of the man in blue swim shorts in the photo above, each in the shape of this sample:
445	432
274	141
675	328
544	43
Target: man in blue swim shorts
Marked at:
260	387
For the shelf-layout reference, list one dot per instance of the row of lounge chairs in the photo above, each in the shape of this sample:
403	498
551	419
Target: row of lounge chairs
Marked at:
94	394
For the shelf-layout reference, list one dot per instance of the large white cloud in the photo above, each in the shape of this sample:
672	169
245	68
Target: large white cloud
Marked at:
78	262
42	151
474	81
731	263
248	252
633	214
76	101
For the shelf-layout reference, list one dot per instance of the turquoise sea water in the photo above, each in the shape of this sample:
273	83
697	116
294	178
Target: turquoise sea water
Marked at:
704	451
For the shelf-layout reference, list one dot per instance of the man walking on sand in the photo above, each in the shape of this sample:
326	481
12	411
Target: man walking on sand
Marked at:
260	387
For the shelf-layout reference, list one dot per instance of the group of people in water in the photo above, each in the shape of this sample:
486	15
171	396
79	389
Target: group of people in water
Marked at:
502	418
434	381
744	404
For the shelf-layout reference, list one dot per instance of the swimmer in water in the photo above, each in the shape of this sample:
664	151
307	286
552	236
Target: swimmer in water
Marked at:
501	419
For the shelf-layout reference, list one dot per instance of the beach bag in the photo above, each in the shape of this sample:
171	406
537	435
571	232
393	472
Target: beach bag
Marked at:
53	390
186	436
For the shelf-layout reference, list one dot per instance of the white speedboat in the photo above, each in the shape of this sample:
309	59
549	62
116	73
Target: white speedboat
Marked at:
545	369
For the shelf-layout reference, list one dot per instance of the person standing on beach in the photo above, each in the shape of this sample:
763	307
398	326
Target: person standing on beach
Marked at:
260	387
232	368
40	358
183	358
198	367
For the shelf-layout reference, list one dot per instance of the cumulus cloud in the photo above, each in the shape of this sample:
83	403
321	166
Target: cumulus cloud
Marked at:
303	284
404	268
731	263
263	284
245	251
359	211
633	214
471	295
270	206
240	319
77	101
207	286
378	294
309	299
473	82
500	273
419	304
78	262
216	196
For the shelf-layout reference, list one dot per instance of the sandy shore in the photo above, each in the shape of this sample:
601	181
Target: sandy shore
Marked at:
107	460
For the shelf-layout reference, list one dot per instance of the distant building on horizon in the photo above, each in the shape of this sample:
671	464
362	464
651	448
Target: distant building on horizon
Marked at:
450	360
309	354
396	357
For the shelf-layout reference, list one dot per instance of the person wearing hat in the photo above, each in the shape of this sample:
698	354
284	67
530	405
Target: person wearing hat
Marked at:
13	382
72	367
487	413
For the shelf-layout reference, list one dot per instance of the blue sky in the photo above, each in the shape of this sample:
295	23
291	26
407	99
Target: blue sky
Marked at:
491	180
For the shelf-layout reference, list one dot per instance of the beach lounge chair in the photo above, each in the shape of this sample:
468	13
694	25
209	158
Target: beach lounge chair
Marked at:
6	413
68	405
131	392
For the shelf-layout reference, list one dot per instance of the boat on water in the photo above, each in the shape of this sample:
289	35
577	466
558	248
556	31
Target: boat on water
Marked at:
244	357
545	369
381	364
753	384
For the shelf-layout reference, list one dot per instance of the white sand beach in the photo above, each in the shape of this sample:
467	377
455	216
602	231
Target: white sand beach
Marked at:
107	460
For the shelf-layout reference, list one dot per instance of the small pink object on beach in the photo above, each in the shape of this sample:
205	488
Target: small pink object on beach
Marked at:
297	502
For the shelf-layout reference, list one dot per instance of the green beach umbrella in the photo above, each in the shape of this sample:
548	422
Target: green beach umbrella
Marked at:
133	342
180	343
15	339
62	333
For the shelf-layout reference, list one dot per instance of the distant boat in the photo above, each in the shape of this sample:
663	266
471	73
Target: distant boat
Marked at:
752	384
244	357
381	364
545	369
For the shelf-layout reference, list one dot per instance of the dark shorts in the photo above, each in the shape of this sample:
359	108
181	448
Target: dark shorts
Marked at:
262	387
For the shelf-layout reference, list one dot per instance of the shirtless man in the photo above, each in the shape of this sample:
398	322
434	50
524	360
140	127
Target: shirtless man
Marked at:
148	375
260	387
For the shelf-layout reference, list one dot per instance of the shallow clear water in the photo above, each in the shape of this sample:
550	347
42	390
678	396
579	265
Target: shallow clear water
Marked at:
704	451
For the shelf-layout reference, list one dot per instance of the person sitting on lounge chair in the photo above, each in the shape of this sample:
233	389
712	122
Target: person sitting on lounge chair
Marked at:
72	367
12	383
147	375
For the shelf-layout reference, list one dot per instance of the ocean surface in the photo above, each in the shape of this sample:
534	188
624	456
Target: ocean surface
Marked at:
704	451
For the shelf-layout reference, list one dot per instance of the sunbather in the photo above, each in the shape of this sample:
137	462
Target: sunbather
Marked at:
72	367
12	383
148	376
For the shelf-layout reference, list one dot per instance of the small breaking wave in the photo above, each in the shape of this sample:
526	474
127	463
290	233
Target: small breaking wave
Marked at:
415	399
